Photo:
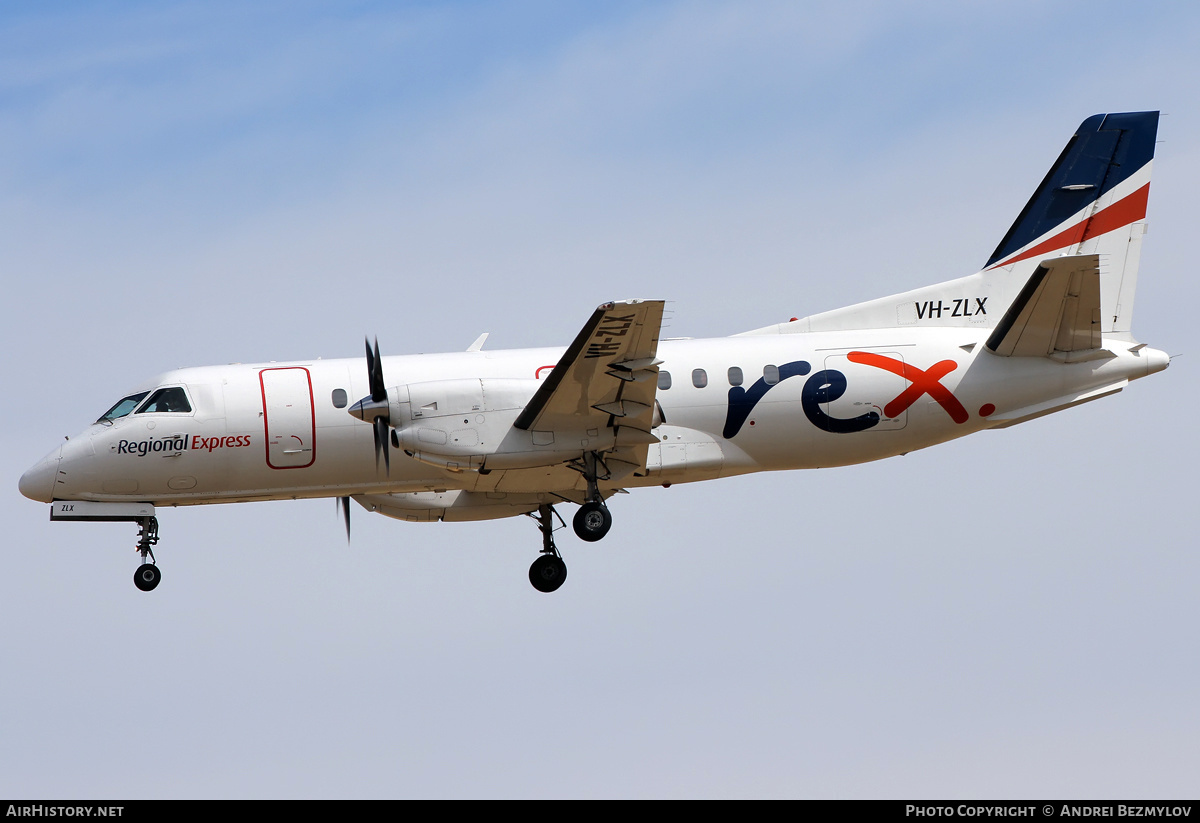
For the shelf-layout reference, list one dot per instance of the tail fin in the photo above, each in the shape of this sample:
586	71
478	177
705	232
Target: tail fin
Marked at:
1092	201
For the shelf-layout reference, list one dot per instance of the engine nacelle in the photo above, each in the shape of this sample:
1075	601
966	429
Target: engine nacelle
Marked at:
452	505
468	424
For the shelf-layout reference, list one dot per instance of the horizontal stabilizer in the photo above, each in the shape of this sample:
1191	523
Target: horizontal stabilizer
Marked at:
1058	311
1003	421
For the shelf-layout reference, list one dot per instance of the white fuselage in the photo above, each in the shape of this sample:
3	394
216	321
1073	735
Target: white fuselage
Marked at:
273	431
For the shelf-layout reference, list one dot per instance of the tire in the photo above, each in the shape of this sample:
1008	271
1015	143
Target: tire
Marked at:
147	577
592	522
547	573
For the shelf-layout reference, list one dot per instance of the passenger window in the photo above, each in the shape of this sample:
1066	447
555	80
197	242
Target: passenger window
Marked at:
339	398
123	407
664	380
735	376
699	378
771	375
172	400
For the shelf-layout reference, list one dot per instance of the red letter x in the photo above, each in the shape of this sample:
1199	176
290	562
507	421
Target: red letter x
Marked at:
923	382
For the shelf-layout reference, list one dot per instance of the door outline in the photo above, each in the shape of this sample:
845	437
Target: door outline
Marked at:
312	416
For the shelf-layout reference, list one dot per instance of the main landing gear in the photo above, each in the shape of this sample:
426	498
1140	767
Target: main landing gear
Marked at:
147	576
549	571
591	523
593	520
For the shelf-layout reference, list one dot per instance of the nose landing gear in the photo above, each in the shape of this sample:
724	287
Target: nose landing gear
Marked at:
147	576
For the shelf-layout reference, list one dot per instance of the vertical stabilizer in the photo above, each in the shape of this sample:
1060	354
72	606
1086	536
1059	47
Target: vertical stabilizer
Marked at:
1093	201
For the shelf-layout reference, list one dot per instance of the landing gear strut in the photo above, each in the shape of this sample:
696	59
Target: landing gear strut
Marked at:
147	576
549	571
593	519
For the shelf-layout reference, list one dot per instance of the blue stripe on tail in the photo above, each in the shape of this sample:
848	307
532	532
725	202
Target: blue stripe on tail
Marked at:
1106	149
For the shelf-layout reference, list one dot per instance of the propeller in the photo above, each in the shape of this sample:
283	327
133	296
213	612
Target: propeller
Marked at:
375	409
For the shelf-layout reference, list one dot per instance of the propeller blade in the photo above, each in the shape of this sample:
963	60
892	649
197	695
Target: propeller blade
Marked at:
375	373
344	510
377	410
381	443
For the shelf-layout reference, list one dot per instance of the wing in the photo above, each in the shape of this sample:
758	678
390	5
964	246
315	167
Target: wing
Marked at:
606	381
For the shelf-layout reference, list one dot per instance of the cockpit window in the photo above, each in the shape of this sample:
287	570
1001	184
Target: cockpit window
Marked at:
167	400
123	407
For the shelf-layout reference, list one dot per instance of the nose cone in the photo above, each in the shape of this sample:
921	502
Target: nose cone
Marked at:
38	483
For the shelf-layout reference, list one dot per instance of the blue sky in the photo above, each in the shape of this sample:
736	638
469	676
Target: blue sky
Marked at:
181	184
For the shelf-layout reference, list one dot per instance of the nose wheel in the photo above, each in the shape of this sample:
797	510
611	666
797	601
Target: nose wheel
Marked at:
147	576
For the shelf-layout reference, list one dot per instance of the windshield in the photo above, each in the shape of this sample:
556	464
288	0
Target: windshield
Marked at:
123	407
167	400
